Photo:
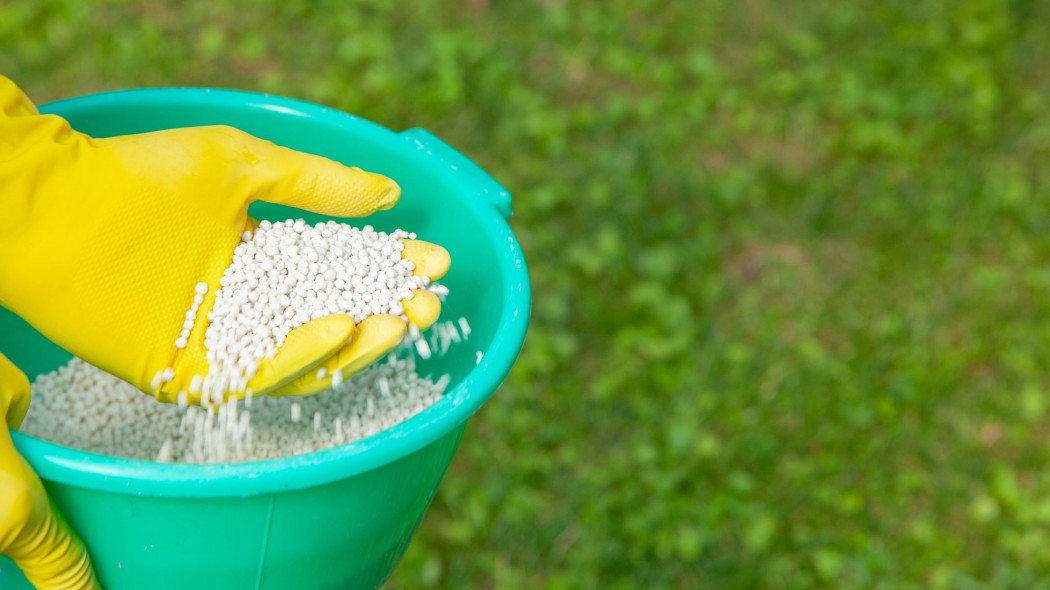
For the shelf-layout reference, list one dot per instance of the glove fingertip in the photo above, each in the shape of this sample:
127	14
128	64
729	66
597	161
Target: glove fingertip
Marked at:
305	348
429	260
375	336
319	184
423	309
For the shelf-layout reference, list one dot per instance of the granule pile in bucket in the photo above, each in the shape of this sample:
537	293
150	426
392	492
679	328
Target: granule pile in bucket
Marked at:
83	407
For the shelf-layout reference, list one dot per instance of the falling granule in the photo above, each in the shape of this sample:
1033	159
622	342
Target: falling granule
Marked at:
164	454
442	336
442	382
440	291
423	348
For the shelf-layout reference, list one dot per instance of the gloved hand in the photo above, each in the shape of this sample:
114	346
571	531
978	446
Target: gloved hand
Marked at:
32	532
102	242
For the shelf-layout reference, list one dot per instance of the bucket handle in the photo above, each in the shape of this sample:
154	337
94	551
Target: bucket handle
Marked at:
467	173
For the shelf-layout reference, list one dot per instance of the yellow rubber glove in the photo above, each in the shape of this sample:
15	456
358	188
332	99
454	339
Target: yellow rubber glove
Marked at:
102	242
32	532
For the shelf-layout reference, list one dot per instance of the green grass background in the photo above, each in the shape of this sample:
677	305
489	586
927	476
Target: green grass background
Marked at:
790	262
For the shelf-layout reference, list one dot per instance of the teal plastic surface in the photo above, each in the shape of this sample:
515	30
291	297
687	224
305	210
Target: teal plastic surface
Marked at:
340	518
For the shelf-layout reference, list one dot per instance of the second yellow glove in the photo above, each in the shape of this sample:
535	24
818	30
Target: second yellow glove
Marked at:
32	531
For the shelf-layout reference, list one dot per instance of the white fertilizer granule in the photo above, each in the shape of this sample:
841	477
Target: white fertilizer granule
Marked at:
83	407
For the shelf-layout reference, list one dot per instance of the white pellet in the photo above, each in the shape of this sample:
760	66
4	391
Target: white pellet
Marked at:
442	383
164	454
423	348
157	380
440	291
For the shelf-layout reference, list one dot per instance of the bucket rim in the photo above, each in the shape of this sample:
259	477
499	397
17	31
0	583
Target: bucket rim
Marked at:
65	465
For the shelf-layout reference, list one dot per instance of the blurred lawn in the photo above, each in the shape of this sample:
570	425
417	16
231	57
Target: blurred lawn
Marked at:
791	317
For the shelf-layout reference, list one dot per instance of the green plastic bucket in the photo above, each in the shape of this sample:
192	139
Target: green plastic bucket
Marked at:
340	518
